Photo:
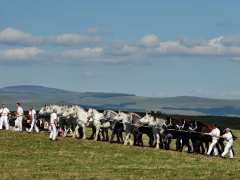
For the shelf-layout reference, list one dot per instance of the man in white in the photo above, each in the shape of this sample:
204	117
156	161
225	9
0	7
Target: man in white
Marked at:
18	121
53	125
215	133
229	143
4	117
32	115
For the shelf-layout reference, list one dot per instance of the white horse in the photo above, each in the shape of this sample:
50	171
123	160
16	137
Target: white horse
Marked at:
95	117
128	120
157	125
82	120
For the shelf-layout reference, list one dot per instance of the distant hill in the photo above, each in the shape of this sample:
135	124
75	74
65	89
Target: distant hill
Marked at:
39	95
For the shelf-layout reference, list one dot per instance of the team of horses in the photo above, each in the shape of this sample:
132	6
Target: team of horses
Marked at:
128	128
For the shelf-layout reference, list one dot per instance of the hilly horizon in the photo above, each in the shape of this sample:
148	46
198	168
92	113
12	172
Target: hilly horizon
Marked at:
188	105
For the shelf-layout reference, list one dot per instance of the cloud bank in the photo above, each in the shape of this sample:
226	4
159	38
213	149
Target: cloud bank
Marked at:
90	47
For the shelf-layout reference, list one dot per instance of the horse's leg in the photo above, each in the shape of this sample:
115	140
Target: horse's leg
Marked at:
167	142
97	132
178	144
103	134
121	137
157	140
107	137
126	138
93	132
118	137
76	131
131	142
161	142
150	142
112	136
202	147
65	131
83	131
189	146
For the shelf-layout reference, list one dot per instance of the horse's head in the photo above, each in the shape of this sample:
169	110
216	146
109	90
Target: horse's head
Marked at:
147	119
90	114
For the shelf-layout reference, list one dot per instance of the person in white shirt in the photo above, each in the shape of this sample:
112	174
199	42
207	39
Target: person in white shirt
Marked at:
228	137
32	116
215	133
0	115
4	117
53	125
18	121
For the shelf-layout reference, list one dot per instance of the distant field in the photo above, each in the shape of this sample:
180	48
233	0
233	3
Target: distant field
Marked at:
33	156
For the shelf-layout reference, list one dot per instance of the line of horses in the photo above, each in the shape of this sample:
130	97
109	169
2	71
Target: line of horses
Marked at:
128	128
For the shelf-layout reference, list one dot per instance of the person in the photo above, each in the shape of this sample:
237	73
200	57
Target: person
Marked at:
18	121
32	115
4	117
215	133
228	137
53	125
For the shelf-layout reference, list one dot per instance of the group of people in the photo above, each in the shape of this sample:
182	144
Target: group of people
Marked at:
4	113
32	115
227	136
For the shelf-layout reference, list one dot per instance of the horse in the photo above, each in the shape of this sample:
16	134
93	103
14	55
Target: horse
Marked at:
130	123
156	126
116	125
82	121
98	121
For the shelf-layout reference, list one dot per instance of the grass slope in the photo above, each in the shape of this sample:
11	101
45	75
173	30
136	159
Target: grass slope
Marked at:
33	156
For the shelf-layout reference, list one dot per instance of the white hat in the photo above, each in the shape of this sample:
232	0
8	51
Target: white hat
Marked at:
227	129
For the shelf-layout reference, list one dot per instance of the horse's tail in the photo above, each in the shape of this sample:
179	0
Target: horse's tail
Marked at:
234	137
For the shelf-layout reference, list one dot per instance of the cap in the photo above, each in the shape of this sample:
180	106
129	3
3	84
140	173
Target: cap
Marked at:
227	129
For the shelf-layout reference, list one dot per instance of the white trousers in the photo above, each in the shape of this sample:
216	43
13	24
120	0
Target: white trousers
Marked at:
54	132
34	125
213	147
18	123
4	122
228	149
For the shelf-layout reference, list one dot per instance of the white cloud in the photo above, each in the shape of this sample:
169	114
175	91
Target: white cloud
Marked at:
82	53
149	40
26	53
12	36
74	38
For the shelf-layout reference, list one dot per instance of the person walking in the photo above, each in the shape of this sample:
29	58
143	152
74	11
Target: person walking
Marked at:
4	117
53	125
228	138
32	116
215	133
18	121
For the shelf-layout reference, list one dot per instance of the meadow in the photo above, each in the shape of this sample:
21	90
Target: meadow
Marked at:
34	156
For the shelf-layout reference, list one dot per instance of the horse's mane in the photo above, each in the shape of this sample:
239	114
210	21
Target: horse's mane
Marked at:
136	115
111	111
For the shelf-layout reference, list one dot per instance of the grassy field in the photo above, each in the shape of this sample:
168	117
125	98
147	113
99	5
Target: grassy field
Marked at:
33	156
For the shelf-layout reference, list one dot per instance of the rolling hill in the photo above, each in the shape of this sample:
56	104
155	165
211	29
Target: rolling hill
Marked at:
39	95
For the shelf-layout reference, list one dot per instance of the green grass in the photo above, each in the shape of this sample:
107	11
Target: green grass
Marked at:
33	156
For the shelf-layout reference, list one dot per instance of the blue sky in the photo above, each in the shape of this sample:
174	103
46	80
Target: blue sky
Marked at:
148	48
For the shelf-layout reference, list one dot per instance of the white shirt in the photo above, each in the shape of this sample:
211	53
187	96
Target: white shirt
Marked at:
215	133
53	118
4	111
228	136
32	113
19	111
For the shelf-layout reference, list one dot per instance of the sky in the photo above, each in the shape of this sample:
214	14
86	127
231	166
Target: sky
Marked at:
148	48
